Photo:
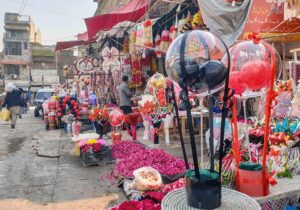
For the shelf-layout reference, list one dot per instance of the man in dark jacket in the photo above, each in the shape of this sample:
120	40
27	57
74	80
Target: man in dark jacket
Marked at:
12	102
125	96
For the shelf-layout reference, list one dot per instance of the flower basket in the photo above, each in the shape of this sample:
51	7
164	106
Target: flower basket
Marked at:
103	157
203	193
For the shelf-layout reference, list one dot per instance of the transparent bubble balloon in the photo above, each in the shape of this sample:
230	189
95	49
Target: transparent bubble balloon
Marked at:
116	117
251	65
158	81
203	53
149	88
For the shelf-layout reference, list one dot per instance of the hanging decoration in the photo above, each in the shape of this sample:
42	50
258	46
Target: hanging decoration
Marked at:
85	65
112	66
136	73
147	33
165	40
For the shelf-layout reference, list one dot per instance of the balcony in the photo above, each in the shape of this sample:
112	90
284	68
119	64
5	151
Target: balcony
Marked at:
10	36
16	19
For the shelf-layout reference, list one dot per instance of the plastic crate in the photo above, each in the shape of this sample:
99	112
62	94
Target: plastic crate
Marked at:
101	158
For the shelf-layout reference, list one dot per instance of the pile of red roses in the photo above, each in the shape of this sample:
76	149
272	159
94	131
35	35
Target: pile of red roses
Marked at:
125	149
165	163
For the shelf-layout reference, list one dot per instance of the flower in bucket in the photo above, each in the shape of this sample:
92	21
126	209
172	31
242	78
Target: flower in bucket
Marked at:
99	114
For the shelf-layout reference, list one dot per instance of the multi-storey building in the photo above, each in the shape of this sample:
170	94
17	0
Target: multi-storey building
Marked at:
20	32
44	67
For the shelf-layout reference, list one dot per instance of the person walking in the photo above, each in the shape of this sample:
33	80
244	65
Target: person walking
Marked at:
125	96
23	104
12	102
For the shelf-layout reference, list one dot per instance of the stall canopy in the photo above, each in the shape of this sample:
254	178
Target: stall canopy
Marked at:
69	44
133	11
225	20
83	36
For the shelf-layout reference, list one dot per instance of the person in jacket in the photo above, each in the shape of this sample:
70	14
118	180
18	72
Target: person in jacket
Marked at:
23	104
125	96
12	102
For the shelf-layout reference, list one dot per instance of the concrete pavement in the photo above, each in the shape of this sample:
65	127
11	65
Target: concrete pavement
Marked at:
28	181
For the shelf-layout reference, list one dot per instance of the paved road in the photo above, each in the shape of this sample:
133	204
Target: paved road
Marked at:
28	181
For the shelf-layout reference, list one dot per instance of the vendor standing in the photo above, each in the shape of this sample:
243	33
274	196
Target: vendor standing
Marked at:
12	102
125	95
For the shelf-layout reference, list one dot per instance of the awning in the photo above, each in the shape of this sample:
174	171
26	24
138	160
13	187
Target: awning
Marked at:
267	18
83	36
69	44
14	62
133	11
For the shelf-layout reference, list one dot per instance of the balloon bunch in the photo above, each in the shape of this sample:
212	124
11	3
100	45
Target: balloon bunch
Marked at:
161	97
67	105
53	104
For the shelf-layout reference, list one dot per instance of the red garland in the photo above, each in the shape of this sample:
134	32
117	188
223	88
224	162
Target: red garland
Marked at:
136	73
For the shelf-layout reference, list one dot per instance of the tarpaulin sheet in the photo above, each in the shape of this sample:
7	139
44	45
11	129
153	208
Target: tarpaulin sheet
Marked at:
225	20
69	44
133	11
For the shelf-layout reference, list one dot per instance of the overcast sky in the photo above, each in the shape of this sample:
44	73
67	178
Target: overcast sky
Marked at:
58	20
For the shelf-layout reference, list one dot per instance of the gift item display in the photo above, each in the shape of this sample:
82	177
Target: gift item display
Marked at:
158	88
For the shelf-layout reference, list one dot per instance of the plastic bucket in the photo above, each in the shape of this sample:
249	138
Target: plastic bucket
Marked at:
116	138
52	122
252	183
203	194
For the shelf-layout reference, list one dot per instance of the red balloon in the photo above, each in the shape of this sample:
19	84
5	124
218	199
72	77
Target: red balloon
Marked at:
67	97
59	109
116	117
73	102
64	101
236	82
75	107
59	114
256	74
161	91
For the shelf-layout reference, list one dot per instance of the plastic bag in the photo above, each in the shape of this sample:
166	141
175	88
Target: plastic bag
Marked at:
5	115
147	179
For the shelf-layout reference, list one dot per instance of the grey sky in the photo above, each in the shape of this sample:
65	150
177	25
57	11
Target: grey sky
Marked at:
58	20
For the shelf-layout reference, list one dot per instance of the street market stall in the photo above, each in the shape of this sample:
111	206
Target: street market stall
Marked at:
178	68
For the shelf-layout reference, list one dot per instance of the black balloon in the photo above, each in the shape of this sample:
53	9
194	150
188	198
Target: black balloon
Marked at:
215	74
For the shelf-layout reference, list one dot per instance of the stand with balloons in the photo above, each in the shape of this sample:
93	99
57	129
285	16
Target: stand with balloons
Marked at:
189	62
256	65
116	119
158	82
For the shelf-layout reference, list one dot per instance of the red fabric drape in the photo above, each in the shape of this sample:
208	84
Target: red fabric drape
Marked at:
133	11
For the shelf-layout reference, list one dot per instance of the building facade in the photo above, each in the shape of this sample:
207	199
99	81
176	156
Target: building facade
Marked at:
20	32
44	67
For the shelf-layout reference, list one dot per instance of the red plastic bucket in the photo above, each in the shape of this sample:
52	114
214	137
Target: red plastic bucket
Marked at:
252	183
116	138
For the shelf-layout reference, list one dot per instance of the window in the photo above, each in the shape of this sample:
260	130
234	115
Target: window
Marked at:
12	69
13	48
25	45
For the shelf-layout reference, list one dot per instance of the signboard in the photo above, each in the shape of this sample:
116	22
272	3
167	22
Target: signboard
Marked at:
267	18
